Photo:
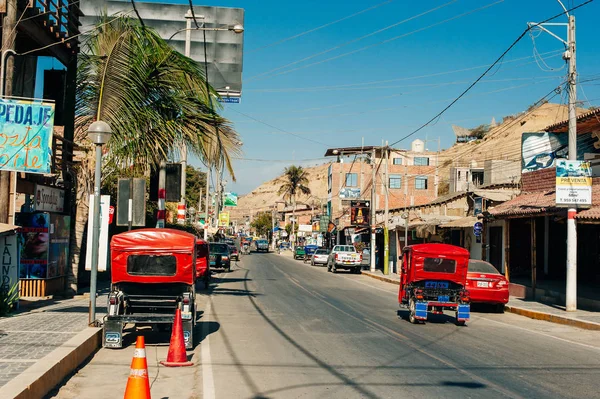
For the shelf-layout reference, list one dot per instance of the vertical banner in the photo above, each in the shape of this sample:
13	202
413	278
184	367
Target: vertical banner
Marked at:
26	140
103	246
9	273
573	183
59	245
34	238
224	219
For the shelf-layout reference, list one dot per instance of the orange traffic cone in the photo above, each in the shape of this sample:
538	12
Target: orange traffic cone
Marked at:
138	384
177	357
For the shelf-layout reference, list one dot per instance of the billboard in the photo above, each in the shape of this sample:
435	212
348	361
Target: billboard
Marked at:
33	239
26	140
230	199
541	150
360	213
349	193
573	183
224	219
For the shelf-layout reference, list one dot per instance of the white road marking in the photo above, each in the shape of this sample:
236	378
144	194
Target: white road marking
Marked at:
543	334
370	286
207	371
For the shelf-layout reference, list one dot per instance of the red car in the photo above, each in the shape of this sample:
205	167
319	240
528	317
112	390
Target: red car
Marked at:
202	263
486	284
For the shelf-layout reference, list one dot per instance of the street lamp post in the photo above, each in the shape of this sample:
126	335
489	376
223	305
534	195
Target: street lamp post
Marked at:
99	133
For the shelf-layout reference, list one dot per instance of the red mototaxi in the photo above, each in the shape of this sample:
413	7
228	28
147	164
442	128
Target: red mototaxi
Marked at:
153	273
202	263
433	278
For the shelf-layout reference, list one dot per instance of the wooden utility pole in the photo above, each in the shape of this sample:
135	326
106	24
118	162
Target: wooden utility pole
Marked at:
9	34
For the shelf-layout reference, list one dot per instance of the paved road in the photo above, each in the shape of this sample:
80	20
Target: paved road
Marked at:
277	328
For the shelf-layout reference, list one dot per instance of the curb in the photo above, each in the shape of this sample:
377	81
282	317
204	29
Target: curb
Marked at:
45	374
587	325
381	278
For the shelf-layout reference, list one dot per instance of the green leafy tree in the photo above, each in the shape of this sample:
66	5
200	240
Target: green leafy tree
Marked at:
263	223
195	181
295	183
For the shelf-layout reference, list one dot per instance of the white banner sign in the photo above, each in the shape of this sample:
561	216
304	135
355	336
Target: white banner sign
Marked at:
103	246
49	199
573	183
9	273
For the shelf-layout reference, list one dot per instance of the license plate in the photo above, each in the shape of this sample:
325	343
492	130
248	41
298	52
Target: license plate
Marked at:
443	298
482	284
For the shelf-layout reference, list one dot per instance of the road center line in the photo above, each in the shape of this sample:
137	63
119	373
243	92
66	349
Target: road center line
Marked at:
208	382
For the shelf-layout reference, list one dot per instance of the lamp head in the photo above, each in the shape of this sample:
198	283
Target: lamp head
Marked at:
99	132
238	28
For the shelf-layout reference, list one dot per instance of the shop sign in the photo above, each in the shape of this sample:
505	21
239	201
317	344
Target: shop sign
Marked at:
49	199
9	272
223	219
573	183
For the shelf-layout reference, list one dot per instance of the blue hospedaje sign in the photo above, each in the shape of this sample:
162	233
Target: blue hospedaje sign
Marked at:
478	228
26	129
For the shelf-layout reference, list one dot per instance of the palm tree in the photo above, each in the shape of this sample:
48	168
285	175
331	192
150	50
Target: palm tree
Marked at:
295	182
155	100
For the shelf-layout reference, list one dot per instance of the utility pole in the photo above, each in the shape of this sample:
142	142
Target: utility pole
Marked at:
273	227
341	165
373	209
8	45
386	232
206	201
569	55
571	294
183	150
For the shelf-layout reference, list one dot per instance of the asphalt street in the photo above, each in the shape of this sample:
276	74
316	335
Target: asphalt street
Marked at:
278	328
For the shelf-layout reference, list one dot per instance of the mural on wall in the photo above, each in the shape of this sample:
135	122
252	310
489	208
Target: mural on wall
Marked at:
541	150
33	239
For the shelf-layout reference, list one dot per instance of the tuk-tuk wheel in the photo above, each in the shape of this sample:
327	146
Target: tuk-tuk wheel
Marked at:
461	323
412	309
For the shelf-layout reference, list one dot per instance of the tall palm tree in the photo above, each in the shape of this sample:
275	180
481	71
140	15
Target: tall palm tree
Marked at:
154	99
295	182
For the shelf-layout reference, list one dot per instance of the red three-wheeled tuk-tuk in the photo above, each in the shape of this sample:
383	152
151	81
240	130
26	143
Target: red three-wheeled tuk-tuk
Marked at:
153	274
433	279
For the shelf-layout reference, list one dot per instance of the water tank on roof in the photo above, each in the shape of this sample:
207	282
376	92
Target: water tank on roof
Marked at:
417	146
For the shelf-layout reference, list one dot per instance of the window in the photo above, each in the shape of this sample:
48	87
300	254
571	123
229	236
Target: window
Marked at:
395	181
397	161
351	179
421	183
421	161
152	265
439	265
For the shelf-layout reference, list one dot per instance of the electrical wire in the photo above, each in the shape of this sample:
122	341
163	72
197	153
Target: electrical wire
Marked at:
193	14
318	28
350	41
138	14
514	43
382	42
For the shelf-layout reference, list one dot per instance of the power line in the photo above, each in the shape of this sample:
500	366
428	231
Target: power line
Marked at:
488	69
351	41
194	15
385	41
138	14
318	28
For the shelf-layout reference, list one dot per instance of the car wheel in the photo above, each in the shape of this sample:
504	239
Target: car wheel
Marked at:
312	262
333	269
412	311
328	267
228	269
460	323
500	308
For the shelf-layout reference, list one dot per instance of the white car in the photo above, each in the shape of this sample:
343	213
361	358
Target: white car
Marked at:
344	257
320	257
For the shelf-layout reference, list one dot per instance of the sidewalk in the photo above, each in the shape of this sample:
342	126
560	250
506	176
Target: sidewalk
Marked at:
535	310
44	341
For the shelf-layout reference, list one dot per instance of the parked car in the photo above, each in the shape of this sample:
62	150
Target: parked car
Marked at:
220	256
433	279
320	257
486	284
202	262
262	245
299	252
234	253
309	250
344	257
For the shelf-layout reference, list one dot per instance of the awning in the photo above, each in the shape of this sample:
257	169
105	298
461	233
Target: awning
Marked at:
5	228
468	221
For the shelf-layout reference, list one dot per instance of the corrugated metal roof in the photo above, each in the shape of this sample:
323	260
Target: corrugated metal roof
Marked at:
564	125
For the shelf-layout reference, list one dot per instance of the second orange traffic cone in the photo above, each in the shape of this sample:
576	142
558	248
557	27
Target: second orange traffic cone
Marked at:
177	357
138	384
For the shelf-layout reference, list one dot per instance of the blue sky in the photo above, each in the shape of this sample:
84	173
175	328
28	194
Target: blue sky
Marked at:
395	84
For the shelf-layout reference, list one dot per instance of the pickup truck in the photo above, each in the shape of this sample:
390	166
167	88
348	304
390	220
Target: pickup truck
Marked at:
344	257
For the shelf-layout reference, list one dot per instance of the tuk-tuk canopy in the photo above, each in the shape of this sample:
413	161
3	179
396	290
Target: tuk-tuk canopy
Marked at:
153	256
153	240
437	262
